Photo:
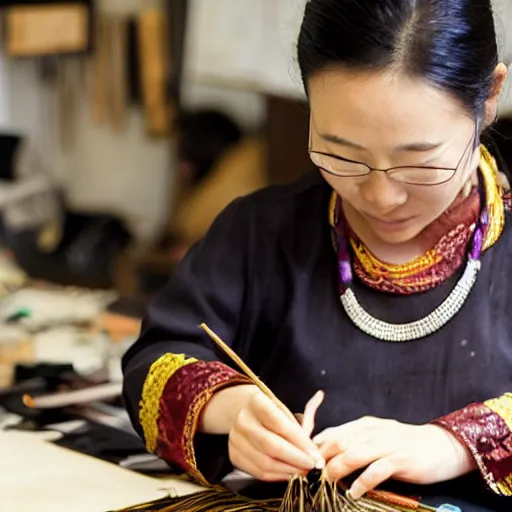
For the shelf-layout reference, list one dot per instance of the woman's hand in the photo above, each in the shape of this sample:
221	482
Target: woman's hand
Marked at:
388	449
271	445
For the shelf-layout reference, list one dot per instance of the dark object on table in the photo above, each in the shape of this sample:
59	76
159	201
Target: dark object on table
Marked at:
52	374
85	256
39	380
103	442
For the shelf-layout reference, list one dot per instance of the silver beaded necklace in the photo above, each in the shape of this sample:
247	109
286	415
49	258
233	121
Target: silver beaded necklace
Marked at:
421	328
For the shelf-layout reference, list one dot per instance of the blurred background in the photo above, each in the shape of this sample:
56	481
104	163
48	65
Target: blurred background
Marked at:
126	126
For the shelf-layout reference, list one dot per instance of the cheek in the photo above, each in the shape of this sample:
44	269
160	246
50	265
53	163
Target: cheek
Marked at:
427	202
436	200
347	189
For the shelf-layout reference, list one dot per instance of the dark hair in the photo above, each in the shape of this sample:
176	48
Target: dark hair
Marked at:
450	43
203	137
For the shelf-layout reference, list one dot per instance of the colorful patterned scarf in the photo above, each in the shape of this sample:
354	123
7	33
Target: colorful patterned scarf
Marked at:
448	253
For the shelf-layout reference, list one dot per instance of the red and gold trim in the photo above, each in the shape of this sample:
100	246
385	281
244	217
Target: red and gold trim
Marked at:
486	430
181	404
159	375
173	396
503	407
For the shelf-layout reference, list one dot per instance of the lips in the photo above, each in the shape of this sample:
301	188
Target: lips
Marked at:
392	222
389	221
389	224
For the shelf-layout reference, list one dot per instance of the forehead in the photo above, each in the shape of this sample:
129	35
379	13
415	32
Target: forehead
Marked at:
382	107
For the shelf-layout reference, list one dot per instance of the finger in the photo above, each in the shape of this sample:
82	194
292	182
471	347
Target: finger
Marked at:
347	429
273	419
247	458
271	444
355	458
338	445
334	441
343	431
279	448
250	427
308	422
378	473
249	468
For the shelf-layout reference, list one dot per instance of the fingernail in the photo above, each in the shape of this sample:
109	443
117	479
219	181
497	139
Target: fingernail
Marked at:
356	492
319	460
308	463
320	464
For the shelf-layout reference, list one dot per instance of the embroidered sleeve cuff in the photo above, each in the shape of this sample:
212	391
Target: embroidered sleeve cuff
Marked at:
173	397
486	430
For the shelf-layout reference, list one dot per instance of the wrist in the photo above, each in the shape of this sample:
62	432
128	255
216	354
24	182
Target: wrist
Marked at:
466	460
462	456
220	413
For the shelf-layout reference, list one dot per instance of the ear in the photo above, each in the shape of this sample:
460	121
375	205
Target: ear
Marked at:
491	105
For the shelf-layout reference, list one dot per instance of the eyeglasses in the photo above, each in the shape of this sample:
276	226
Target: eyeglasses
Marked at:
411	175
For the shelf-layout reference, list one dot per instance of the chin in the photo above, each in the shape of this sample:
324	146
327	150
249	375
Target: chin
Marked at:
399	236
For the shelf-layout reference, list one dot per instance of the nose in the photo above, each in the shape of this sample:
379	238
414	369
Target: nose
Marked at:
383	193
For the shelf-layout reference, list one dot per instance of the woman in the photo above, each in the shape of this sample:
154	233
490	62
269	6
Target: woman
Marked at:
404	219
218	164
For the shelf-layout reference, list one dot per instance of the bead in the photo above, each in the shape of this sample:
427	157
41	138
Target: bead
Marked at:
449	508
421	328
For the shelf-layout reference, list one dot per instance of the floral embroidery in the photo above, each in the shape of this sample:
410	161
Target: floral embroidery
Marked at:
181	405
503	407
422	274
488	437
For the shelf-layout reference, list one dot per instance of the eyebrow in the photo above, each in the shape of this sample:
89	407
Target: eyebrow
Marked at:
418	147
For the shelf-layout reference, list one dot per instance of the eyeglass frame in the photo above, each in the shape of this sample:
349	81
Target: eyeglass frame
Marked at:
474	139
